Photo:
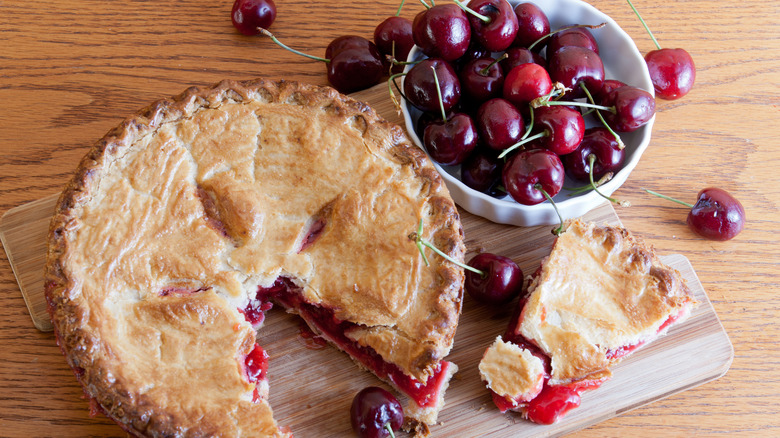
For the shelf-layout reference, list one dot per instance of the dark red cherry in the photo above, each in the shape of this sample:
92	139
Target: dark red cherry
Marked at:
563	127
672	72
533	25
500	124
600	94
552	403
355	63
577	36
502	280
525	83
373	411
420	86
248	15
394	32
528	171
450	142
442	31
634	107
601	143
520	55
572	65
495	26
481	80
482	172
716	215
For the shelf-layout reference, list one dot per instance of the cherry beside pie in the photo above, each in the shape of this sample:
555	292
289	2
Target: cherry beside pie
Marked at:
186	223
600	294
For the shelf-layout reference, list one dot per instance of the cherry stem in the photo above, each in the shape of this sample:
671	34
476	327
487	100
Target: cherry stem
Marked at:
422	242
280	44
668	198
573	26
621	145
530	124
538	103
642	20
522	142
427	6
559	230
389	430
484	18
398	13
591	162
438	92
390	83
486	70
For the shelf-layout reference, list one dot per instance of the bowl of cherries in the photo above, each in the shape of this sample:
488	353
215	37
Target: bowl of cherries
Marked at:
532	112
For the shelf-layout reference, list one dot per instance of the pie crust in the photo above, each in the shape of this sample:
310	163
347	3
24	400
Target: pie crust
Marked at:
600	294
179	216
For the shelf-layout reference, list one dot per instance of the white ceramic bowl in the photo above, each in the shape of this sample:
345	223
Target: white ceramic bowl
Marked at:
622	61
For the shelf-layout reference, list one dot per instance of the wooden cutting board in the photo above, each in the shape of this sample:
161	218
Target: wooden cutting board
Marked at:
694	352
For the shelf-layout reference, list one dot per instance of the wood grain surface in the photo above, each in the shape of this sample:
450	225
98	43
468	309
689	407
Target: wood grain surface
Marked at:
72	69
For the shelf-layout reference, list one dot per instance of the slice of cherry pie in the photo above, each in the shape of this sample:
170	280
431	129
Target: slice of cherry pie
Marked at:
186	223
600	295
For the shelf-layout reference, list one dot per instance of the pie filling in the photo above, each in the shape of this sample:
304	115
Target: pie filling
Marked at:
556	400
287	294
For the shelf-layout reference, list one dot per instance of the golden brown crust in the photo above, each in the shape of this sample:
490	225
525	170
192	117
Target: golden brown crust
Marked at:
601	289
222	264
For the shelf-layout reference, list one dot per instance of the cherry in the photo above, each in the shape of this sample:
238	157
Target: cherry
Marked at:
451	140
393	37
671	70
482	172
533	23
716	215
248	15
572	65
529	174
520	55
563	128
442	31
500	124
420	86
633	108
501	281
354	63
601	144
481	79
525	83
493	23
375	413
474	51
574	36
608	85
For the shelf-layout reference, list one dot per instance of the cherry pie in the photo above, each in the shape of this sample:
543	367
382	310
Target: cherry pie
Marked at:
186	223
600	294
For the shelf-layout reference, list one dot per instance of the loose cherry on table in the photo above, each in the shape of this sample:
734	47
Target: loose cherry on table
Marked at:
375	413
442	31
248	15
354	63
672	71
490	278
717	215
533	23
493	23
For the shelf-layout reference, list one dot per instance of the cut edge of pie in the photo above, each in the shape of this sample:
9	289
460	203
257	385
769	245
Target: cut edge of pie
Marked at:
600	295
117	319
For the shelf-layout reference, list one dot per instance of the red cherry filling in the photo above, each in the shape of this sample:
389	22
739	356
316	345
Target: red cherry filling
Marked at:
315	230
256	364
287	294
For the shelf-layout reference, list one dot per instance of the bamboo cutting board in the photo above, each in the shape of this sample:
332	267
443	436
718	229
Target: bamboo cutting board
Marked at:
312	387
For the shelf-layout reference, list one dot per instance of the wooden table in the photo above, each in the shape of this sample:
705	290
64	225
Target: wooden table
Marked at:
72	69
